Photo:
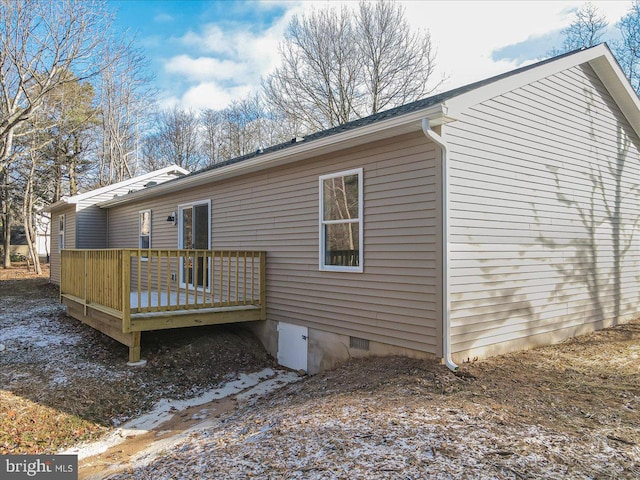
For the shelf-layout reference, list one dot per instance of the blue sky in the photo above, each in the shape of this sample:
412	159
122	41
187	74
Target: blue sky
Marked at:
209	53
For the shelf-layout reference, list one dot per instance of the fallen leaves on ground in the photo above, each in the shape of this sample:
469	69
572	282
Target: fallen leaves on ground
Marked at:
564	411
62	382
558	412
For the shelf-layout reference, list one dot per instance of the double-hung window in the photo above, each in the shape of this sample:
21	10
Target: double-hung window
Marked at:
61	227
144	228
341	221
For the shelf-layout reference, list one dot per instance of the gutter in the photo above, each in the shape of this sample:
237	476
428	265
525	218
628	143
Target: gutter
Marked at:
446	299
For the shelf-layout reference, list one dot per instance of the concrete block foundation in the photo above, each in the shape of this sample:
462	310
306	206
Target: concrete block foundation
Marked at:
328	350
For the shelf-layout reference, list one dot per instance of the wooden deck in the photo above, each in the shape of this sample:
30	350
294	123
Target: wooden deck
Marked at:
124	292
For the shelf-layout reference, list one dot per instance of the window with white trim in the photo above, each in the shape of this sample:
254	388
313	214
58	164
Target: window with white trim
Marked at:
61	227
341	221
144	229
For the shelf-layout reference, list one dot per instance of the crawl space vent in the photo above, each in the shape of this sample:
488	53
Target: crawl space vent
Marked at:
359	343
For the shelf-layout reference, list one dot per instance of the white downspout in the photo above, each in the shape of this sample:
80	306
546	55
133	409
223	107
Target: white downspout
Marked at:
446	300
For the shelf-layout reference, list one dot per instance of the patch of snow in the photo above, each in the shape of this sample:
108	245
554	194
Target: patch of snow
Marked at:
267	386
30	325
165	409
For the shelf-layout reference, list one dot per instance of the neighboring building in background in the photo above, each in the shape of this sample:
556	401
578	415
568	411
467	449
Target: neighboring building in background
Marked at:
43	235
17	242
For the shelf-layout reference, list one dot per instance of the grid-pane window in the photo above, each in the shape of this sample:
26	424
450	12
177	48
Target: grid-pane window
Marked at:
341	221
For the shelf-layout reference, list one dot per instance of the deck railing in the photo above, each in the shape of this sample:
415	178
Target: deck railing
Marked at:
136	281
95	276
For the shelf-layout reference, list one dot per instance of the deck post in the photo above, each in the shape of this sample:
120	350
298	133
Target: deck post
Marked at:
134	348
263	285
86	279
126	292
63	277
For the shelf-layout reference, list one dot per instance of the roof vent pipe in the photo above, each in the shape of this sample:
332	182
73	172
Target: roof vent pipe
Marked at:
446	301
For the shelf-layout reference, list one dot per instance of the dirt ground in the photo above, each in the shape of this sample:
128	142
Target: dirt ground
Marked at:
570	411
565	411
57	375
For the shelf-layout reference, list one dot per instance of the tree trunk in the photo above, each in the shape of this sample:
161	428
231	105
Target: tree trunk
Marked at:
73	177
6	244
27	214
6	219
57	189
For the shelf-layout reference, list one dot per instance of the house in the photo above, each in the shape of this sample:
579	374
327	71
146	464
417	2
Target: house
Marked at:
496	216
80	223
18	245
43	235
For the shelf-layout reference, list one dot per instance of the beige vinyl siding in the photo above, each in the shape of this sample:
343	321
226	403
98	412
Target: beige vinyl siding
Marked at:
543	195
69	238
393	301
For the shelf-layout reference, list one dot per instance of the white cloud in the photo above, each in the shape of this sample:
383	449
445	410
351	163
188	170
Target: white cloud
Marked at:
163	18
466	33
224	61
206	95
212	40
203	69
229	66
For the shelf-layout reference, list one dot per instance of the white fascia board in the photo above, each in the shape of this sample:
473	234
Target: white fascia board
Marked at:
129	181
410	122
610	73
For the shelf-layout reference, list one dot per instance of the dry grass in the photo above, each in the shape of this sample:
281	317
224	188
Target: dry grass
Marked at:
30	427
569	411
566	411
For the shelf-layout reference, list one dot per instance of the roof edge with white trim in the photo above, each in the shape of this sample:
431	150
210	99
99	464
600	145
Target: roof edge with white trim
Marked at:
72	200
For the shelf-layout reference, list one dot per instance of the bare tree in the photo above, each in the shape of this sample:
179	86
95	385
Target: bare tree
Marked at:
125	101
244	127
628	49
39	40
338	66
32	173
589	28
586	30
211	136
28	210
7	214
398	64
317	80
175	140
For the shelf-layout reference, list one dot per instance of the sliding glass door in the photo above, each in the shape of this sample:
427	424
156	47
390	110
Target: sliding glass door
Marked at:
194	235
